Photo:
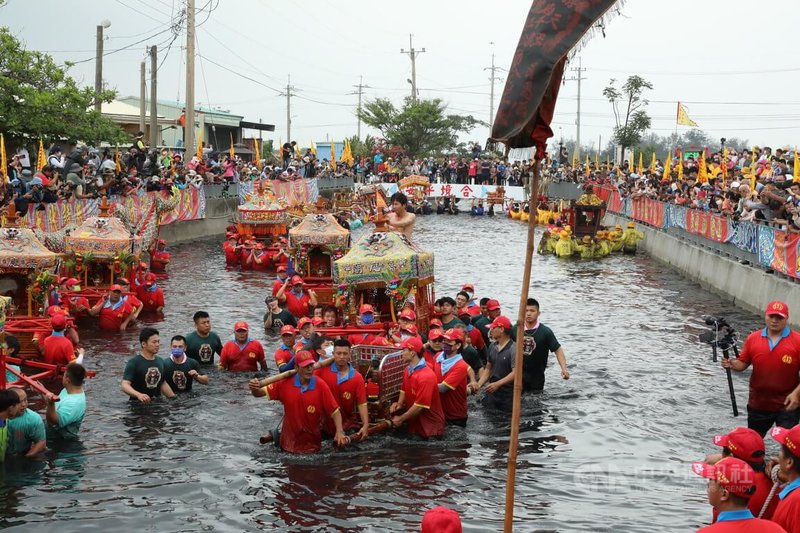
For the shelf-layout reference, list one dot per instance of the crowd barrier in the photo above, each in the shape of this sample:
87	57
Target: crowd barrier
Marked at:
771	248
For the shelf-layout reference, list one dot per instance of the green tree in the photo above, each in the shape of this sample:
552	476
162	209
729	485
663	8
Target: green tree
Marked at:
420	127
361	147
629	106
38	99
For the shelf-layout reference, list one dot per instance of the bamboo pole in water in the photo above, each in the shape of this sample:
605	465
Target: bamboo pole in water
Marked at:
523	299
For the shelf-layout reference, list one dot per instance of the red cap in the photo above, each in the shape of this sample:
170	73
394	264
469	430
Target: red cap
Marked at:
304	358
744	443
778	308
410	328
162	241
241	325
59	320
435	322
61	280
297	280
365	308
317	321
435	334
149	279
143	265
281	268
788	437
734	475
468	287
491	305
288	329
55	310
413	343
500	322
455	334
408	314
72	281
303	322
464	311
116	288
441	520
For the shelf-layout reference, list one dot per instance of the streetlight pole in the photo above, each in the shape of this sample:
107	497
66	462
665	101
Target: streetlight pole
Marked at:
98	66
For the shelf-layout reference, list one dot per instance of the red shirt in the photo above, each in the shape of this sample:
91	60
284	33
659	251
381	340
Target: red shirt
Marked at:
283	355
133	301
299	307
420	388
748	525
476	338
775	371
276	286
244	253
302	412
430	357
243	359
112	319
349	394
152	300
159	260
263	265
787	514
473	309
231	253
369	339
454	400
73	302
58	350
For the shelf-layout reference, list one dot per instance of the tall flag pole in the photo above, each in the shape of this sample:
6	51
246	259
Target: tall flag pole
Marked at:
3	160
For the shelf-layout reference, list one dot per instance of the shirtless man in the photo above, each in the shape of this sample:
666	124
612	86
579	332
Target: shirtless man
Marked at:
401	220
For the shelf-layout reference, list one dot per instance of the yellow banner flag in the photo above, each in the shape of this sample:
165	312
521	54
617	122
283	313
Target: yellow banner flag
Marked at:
333	155
3	160
313	148
608	165
586	167
702	171
668	167
640	168
117	161
297	153
796	168
232	152
680	167
653	164
41	160
753	170
199	153
257	153
683	117
724	163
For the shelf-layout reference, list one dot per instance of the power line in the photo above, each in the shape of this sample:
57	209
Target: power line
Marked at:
223	67
120	49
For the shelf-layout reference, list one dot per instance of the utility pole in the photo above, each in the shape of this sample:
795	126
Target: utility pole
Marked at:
578	77
360	92
412	53
153	98
288	94
492	78
188	140
98	66
142	96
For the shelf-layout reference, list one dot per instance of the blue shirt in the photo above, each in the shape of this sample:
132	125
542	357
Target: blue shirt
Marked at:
24	431
422	363
789	488
71	409
784	334
728	516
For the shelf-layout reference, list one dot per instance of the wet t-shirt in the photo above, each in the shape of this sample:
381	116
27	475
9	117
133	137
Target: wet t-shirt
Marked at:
202	349
537	345
177	374
145	375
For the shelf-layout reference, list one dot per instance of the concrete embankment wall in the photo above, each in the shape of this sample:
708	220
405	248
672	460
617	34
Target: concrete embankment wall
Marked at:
218	215
748	287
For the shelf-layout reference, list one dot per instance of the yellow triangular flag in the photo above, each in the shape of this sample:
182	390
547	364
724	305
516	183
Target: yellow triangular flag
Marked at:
333	155
668	167
313	148
199	153
702	171
796	168
683	117
232	151
41	160
653	164
640	169
3	160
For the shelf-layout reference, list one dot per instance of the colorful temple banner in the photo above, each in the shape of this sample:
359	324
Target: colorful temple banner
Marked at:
296	192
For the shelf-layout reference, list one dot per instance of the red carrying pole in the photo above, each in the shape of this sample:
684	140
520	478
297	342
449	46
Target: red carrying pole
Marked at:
523	300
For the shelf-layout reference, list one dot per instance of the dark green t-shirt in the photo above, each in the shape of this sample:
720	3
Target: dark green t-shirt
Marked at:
284	318
146	376
453	323
202	349
177	375
538	343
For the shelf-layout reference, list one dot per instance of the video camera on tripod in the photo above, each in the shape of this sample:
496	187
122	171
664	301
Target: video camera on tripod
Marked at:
721	336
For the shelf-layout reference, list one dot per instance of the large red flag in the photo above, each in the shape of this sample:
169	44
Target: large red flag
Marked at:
552	29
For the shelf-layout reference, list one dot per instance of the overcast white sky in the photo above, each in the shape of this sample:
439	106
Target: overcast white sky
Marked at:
735	80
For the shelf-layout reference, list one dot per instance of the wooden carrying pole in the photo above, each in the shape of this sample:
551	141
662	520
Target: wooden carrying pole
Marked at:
523	300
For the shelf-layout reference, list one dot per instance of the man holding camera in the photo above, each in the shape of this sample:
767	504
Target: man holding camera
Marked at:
774	353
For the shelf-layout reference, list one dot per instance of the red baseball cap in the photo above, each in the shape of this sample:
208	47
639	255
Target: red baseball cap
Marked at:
491	305
410	328
468	287
59	320
435	322
297	280
288	329
149	279
744	443
788	437
303	322
455	334
412	343
304	358
72	281
116	288
143	265
734	475
441	520
281	268
241	325
408	314
778	308
435	334
500	322
55	310
365	308
317	321
61	280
